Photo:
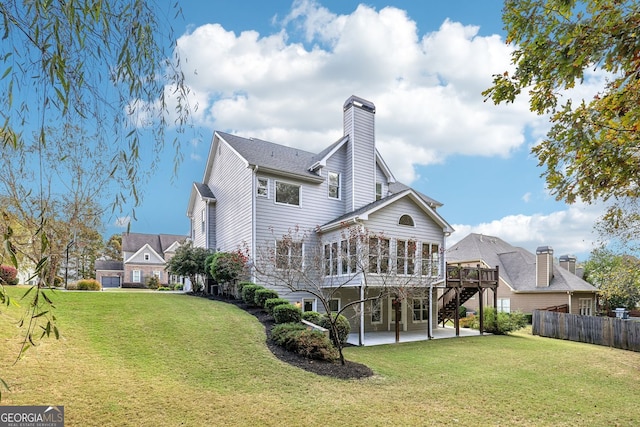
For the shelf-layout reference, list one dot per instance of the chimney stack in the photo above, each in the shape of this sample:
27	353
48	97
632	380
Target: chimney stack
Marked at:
544	266
568	262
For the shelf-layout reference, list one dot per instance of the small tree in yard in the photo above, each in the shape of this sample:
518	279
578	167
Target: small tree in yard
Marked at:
366	260
227	268
189	261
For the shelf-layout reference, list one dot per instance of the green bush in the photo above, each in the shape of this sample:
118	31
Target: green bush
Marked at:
271	303
462	311
287	313
165	288
241	285
261	295
467	322
88	285
296	338
342	324
177	286
313	317
281	334
249	292
505	323
153	282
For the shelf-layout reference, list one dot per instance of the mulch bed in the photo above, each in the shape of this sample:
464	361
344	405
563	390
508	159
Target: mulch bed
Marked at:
350	370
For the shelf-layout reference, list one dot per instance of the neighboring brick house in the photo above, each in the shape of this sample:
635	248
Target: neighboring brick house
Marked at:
527	282
109	273
146	255
254	191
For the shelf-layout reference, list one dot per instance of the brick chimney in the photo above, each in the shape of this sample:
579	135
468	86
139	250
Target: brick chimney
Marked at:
359	126
568	262
544	266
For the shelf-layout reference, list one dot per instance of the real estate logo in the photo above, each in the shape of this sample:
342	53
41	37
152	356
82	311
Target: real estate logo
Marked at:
31	416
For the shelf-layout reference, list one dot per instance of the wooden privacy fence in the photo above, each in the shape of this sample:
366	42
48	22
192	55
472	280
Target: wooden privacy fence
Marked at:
609	331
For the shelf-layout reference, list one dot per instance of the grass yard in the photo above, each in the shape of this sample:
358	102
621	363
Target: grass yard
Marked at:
154	359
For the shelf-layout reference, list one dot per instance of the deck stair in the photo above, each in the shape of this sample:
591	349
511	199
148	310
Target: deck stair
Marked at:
447	304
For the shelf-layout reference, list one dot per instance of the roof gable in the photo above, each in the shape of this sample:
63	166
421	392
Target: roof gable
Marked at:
154	257
364	212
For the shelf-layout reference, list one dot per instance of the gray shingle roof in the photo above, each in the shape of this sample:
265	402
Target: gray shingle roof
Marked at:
132	242
204	190
275	157
517	265
108	264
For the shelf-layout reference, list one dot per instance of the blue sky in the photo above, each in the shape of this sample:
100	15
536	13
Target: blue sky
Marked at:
280	71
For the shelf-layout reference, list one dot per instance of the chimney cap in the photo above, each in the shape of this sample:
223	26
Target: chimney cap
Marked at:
568	258
360	103
544	250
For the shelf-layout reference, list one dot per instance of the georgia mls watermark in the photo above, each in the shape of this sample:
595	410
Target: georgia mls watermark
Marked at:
31	416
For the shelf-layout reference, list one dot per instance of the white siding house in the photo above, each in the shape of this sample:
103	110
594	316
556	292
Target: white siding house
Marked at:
254	191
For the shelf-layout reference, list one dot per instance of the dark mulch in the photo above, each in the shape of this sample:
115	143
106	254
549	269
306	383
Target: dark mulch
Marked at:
350	370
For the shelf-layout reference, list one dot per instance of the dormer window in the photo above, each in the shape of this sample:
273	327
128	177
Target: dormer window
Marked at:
406	220
334	185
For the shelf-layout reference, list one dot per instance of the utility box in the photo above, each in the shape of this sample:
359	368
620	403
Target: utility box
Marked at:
622	313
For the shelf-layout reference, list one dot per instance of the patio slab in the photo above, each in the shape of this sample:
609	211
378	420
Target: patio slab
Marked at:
389	337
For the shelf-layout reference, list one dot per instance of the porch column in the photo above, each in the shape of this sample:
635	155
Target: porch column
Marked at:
481	311
361	332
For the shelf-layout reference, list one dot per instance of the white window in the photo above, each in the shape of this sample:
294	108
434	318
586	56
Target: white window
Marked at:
158	274
309	304
136	276
331	259
430	259
146	256
420	310
405	256
263	187
348	256
376	311
287	194
406	220
289	254
586	306
378	190
378	255
333	182
334	305
504	305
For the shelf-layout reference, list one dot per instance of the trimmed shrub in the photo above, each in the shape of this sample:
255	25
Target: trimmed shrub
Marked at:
287	313
316	345
467	322
153	282
501	324
313	317
241	285
8	275
261	295
178	286
296	338
342	324
249	293
88	285
282	334
165	288
272	303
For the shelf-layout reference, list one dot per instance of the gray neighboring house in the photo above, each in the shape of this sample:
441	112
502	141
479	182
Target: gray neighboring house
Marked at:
527	281
253	191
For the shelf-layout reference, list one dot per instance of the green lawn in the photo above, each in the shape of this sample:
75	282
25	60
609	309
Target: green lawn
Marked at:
154	359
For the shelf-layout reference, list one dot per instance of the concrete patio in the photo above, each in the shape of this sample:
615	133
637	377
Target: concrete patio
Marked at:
389	337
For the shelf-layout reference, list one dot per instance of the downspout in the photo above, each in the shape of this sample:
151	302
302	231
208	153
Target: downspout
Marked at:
253	221
569	293
361	332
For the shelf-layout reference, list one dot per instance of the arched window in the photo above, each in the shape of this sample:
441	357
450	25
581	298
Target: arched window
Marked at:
406	220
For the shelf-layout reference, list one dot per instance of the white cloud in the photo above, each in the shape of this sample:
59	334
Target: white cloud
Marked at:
567	231
122	222
427	89
527	197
